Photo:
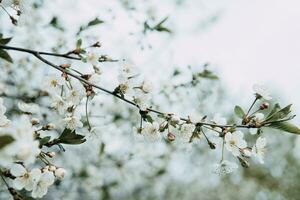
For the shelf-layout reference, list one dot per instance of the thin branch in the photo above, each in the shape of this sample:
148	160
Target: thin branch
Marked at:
38	54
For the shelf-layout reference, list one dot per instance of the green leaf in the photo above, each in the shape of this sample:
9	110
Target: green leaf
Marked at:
94	22
279	113
91	23
44	140
4	55
285	126
55	23
239	112
160	28
275	109
207	74
5	41
5	140
70	137
79	43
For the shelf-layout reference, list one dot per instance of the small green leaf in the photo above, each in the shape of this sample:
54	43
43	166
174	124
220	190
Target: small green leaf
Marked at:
239	112
207	74
93	22
279	114
78	43
286	126
5	140
55	24
5	41
4	55
44	140
70	137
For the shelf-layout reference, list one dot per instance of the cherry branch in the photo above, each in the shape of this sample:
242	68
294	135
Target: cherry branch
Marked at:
38	54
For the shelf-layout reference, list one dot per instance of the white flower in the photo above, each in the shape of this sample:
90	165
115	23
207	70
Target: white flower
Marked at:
59	104
4	122
76	94
23	177
60	173
92	58
53	83
235	142
72	122
141	100
28	108
151	131
186	132
25	148
146	87
258	150
225	167
261	92
41	183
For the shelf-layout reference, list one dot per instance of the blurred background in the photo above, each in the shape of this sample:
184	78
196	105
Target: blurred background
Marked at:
242	41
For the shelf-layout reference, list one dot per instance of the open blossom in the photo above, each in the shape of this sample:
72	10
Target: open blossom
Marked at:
234	142
53	83
18	4
76	94
72	122
151	131
225	167
186	132
93	58
258	150
41	183
261	92
24	148
28	108
146	87
23	177
141	100
59	104
4	122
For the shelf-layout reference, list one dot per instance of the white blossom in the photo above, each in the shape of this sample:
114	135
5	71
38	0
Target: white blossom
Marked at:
186	132
72	122
225	167
234	142
76	94
59	104
262	92
41	183
53	83
23	177
4	122
258	150
28	108
151	131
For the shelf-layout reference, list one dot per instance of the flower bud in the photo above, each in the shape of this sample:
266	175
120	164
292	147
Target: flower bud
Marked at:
52	168
51	154
211	145
60	173
49	126
265	105
35	121
244	162
65	66
171	137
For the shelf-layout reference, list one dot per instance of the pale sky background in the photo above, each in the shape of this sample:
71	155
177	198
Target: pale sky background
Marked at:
255	41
